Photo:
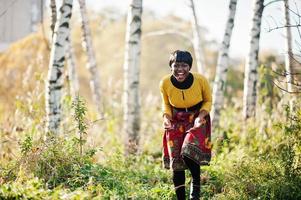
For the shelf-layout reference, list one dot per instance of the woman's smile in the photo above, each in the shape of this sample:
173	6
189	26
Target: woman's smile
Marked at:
180	71
181	76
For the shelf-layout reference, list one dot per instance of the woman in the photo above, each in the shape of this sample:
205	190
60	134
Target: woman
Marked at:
187	102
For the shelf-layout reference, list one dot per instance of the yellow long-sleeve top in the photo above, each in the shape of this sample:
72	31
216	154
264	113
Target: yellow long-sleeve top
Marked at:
173	96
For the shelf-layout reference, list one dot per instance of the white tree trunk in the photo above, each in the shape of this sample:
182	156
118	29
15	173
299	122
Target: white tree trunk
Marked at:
53	15
222	67
72	73
131	76
198	49
91	64
55	80
289	52
250	81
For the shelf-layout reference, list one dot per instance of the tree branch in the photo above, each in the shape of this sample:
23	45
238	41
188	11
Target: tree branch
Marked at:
271	2
285	73
284	26
290	92
167	32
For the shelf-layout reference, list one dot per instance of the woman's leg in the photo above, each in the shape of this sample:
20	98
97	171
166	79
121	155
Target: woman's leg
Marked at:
195	170
178	178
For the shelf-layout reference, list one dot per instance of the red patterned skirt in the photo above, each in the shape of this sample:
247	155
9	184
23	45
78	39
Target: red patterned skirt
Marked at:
179	142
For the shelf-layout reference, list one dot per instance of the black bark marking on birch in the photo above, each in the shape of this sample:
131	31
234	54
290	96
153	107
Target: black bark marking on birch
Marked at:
61	60
225	54
68	16
58	74
57	65
58	44
59	87
136	19
137	31
133	42
65	24
69	5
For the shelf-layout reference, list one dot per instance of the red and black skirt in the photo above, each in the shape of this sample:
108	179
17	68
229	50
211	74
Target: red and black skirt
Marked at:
178	141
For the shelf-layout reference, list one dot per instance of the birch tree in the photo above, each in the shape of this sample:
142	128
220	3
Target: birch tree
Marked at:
250	80
289	52
55	80
198	49
131	75
222	67
91	64
53	15
72	73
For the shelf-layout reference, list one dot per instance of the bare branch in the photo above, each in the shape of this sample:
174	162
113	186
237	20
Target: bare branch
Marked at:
271	2
285	73
285	26
297	13
167	32
295	82
294	92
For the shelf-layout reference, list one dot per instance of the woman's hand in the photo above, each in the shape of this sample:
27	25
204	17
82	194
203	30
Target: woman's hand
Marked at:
199	120
166	121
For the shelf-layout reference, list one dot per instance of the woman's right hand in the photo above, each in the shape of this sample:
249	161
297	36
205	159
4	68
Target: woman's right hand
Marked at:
167	121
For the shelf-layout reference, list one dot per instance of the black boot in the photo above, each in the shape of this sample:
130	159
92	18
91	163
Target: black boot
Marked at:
180	192
195	170
194	191
179	183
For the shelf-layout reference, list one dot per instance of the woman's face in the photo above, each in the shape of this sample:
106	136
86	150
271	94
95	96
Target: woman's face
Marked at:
180	70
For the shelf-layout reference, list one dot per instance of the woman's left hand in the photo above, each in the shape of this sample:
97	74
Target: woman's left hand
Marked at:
199	120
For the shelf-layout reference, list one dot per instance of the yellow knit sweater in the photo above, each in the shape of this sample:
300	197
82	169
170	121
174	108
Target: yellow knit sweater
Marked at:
185	98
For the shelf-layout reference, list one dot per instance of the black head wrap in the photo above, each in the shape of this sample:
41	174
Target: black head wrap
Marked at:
180	56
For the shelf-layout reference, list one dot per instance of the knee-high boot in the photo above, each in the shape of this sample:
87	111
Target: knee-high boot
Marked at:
194	191
195	170
179	183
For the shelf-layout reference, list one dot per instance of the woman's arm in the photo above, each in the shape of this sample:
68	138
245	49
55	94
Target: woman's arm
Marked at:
207	98
166	107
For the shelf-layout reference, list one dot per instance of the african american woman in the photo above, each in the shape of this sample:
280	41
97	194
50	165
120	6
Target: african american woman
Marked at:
187	100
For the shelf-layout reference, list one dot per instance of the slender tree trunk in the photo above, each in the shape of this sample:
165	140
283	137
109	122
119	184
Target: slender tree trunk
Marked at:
53	15
55	80
222	67
250	81
72	74
91	64
198	49
131	76
289	53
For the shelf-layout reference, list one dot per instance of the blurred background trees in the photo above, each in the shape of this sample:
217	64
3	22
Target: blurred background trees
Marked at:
249	165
